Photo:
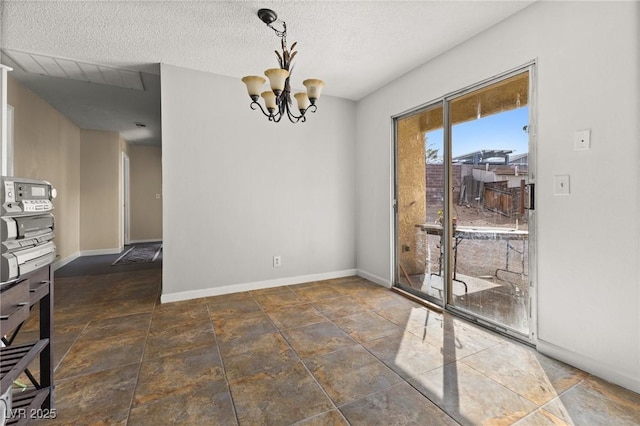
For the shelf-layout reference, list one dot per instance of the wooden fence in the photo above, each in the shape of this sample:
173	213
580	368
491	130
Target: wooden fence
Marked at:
499	200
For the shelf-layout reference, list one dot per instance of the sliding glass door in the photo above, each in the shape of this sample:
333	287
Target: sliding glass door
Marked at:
420	201
463	191
489	169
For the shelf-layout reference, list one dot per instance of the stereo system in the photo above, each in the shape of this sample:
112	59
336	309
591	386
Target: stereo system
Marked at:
26	226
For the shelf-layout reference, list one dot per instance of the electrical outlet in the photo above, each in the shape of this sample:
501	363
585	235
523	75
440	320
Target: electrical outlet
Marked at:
277	261
582	140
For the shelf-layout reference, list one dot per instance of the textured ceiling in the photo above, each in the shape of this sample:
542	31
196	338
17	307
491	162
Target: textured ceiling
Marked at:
354	46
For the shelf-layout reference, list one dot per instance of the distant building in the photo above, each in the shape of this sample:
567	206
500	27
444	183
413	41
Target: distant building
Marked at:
485	156
519	159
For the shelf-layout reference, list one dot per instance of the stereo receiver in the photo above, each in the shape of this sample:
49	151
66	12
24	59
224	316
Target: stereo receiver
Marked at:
26	227
20	196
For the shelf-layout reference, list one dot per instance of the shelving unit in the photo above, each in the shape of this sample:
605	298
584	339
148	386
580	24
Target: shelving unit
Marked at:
37	400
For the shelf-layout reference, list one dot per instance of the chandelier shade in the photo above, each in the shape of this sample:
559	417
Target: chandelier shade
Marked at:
277	78
303	101
314	87
269	100
254	84
277	101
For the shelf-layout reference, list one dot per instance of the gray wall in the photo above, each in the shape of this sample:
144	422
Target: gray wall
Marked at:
238	189
588	242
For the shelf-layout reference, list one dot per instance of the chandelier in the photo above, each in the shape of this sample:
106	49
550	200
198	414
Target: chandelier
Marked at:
278	100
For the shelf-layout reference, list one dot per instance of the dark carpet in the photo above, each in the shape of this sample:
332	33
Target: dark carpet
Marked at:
139	254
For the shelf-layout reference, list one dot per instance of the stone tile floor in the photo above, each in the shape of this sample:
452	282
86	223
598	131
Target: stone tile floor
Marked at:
342	351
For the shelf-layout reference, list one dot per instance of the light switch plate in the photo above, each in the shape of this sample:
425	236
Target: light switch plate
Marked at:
561	185
582	139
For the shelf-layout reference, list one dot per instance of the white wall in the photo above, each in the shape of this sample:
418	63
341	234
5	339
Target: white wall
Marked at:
588	242
239	189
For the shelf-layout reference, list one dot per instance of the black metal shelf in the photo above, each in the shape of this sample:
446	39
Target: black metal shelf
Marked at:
26	405
15	359
36	401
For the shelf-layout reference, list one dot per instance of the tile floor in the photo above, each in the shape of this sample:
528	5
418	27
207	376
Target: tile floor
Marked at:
342	351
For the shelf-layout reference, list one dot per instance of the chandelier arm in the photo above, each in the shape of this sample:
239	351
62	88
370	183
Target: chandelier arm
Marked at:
302	117
286	106
295	118
276	117
253	105
313	108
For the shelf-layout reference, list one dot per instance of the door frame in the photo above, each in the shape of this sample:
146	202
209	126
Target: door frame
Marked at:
395	247
444	101
126	210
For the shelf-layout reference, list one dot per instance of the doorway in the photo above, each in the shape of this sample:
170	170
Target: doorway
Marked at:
464	191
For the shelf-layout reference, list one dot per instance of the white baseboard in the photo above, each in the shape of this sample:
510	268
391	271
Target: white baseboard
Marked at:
589	365
60	263
376	279
257	285
101	251
153	240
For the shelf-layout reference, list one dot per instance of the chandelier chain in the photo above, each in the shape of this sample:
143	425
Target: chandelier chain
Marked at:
282	34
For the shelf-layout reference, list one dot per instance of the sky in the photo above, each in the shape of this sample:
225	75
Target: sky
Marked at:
497	131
